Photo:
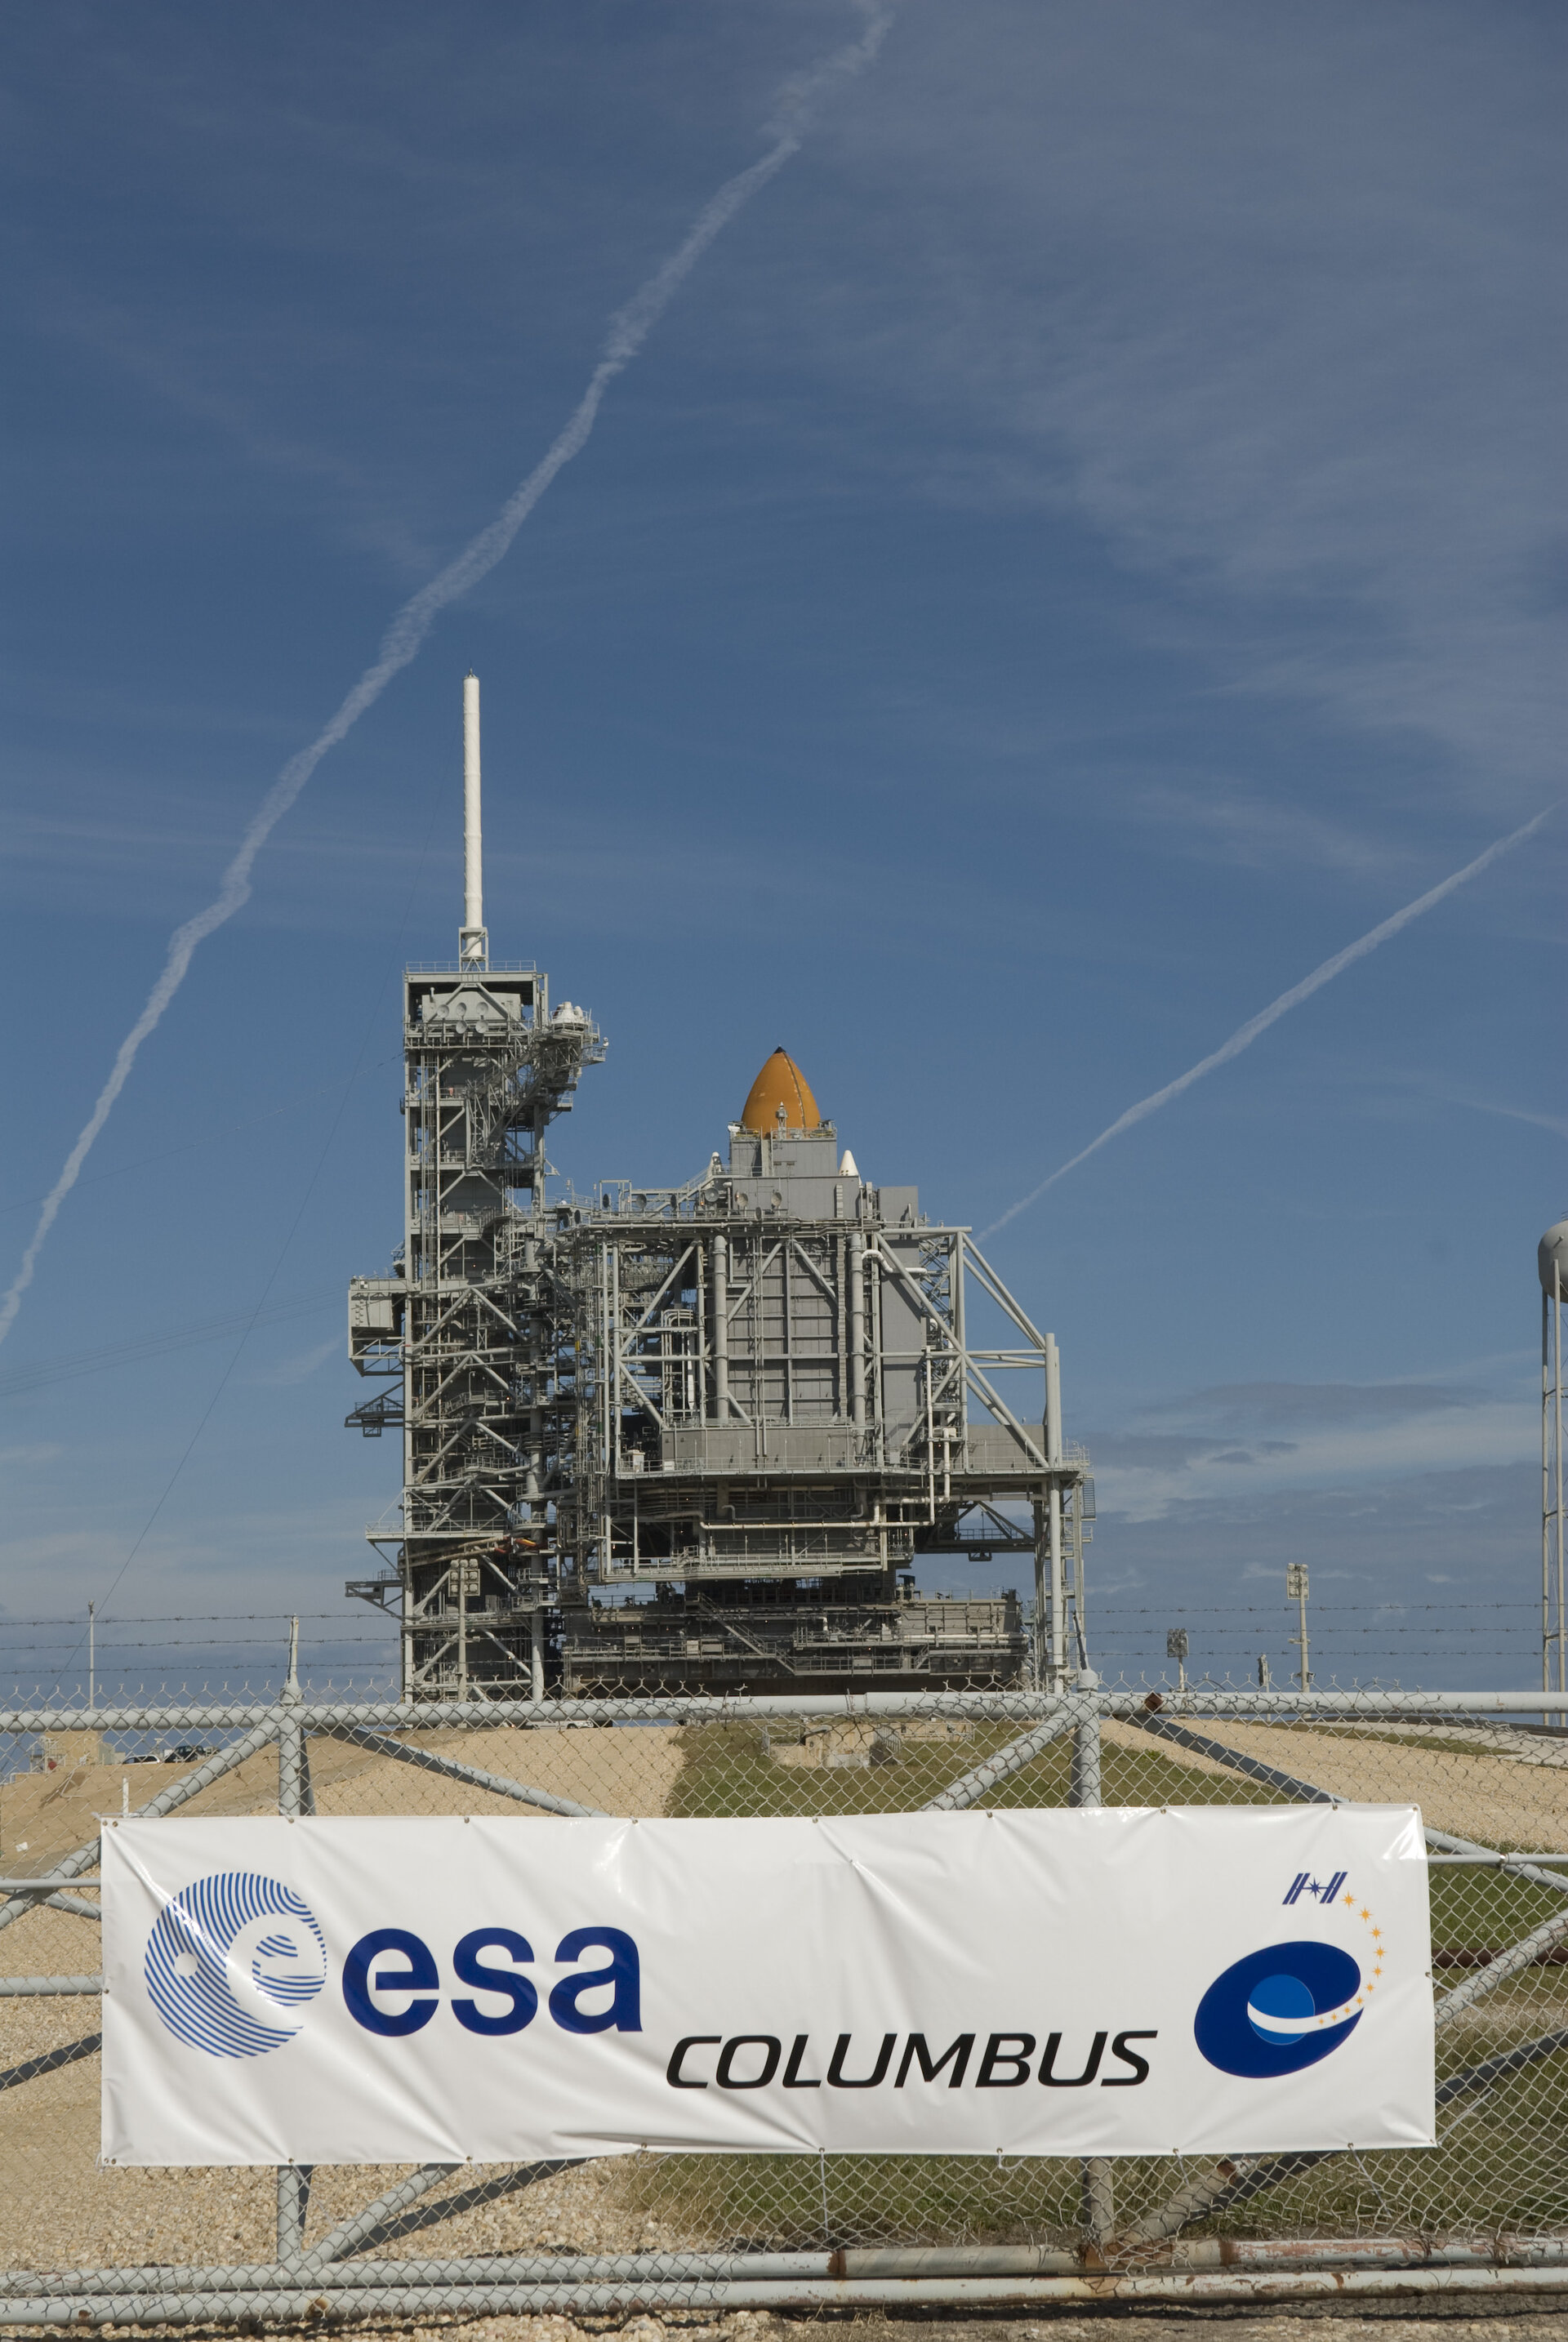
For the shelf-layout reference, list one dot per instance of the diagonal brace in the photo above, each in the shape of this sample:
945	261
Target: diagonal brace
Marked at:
993	1770
382	1743
50	2060
178	1793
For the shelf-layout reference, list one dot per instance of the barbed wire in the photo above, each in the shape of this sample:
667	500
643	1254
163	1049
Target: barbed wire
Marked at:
1273	1609
180	1618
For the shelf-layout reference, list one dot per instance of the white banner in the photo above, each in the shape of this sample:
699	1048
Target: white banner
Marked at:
1115	1982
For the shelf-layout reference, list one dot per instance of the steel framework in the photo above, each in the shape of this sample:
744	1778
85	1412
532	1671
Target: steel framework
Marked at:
688	1437
464	1329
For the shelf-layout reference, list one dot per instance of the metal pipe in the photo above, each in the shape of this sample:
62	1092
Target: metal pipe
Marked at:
13	1987
857	1329
721	1316
360	2226
1482	1857
913	2261
179	1793
48	1885
906	2263
1177	2286
309	2274
1557	1384
428	1760
292	2204
1521	1865
49	2061
1097	2173
1058	1590
960	1795
1203	1703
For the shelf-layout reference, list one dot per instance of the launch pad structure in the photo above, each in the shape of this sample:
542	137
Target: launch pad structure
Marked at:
694	1438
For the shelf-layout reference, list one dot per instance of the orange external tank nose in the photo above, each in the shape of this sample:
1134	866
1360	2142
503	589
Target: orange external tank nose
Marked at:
780	1082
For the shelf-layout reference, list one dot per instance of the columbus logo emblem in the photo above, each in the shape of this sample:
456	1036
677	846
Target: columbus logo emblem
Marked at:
1290	2005
1279	2009
233	1963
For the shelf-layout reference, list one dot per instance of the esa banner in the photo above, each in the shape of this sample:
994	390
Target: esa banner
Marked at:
1115	1982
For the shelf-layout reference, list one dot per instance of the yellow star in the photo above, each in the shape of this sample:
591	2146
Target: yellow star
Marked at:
1365	1913
1350	1899
1376	1932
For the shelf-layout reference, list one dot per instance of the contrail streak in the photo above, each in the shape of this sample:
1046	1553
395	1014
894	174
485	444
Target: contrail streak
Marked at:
1243	1038
628	329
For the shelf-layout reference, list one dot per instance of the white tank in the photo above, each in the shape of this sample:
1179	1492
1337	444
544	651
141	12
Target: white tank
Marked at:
1554	1248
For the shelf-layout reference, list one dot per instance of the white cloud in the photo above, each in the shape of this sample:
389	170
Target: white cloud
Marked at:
298	1369
1262	297
1220	1447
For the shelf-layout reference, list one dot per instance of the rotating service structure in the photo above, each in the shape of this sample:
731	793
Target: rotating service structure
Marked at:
694	1438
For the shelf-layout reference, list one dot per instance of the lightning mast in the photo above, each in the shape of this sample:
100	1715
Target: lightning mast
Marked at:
473	943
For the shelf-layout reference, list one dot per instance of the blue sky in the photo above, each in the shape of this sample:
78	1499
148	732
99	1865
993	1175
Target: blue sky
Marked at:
1086	544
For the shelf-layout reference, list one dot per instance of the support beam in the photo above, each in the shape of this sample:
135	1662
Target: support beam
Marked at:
171	1800
427	1760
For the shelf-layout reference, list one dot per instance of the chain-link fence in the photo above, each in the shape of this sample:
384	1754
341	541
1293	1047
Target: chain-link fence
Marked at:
1488	2206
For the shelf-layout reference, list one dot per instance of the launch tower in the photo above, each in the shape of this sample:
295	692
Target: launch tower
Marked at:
694	1438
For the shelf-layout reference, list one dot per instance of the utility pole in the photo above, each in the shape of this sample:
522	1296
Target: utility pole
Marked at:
1058	1676
1296	1591
1553	1257
1176	1648
92	1653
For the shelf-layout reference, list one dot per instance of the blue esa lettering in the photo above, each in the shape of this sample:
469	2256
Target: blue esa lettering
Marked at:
392	1964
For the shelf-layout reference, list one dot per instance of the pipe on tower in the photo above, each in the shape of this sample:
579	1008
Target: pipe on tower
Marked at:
721	1322
856	1281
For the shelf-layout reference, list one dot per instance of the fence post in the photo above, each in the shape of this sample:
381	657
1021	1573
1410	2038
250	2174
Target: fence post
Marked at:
293	2203
294	1797
1099	2190
295	1792
1084	1780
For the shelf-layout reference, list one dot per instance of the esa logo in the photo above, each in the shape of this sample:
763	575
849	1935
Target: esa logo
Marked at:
233	1962
392	1983
1279	2009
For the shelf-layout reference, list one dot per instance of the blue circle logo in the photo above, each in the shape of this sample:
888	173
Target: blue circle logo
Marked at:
233	1962
1279	2010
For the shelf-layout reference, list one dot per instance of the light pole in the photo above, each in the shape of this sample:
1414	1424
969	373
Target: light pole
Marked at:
1176	1648
91	1622
1296	1591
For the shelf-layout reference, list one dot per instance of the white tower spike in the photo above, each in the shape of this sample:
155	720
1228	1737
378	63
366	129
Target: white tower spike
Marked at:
473	943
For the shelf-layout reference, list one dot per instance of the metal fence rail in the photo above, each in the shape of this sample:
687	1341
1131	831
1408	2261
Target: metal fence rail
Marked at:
1486	2212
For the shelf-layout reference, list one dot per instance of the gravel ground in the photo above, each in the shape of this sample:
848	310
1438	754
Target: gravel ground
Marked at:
1502	1799
45	1815
1396	2325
